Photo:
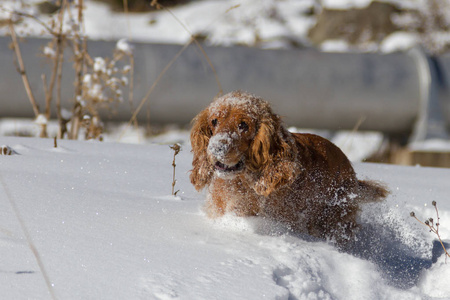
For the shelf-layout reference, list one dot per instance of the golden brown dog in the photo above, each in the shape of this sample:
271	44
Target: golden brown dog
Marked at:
253	166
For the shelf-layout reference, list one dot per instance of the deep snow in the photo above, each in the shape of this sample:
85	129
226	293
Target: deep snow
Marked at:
106	227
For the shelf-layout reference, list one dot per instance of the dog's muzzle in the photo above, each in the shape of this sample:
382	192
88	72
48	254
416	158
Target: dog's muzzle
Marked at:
226	168
219	148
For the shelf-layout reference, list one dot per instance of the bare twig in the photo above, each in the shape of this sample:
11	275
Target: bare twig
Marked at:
176	148
150	90
47	95
25	15
155	2
22	72
434	227
79	46
61	121
57	63
350	137
28	238
131	84
157	5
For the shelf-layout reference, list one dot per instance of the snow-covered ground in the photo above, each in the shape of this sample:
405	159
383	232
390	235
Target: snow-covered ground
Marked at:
105	226
358	146
98	221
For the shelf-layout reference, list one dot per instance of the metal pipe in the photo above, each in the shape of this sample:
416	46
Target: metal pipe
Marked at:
308	88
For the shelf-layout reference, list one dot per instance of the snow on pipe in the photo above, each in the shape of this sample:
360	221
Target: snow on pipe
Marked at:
308	88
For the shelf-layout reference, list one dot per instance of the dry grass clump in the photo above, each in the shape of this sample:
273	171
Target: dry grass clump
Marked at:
98	80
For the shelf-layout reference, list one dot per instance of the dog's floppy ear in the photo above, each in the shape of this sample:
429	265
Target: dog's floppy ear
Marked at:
272	156
262	145
202	172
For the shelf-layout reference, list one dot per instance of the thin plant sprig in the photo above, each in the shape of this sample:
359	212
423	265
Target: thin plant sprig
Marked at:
176	148
434	227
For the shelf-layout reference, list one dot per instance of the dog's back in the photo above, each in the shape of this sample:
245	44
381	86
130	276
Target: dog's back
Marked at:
321	152
329	192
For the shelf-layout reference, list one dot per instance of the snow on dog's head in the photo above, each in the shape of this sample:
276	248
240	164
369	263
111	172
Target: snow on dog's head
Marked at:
253	166
227	130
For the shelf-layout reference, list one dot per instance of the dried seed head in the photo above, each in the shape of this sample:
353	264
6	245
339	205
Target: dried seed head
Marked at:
412	214
431	220
427	222
176	147
433	203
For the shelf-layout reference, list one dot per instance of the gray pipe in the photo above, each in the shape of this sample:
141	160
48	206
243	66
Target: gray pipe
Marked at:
309	88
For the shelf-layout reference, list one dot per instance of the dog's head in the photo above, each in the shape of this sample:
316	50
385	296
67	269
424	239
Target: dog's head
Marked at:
237	132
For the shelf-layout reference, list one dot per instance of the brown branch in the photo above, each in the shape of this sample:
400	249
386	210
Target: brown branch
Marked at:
25	15
57	63
61	122
192	39
197	43
131	84
150	90
79	47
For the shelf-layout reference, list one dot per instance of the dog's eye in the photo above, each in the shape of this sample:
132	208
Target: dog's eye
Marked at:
243	126
214	122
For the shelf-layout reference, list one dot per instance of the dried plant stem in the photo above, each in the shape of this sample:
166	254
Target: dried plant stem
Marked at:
60	58
131	85
47	93
25	15
196	43
191	40
57	63
21	70
98	82
348	140
150	90
434	227
28	238
79	45
80	12
176	148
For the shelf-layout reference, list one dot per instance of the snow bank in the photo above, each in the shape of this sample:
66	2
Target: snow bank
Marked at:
106	227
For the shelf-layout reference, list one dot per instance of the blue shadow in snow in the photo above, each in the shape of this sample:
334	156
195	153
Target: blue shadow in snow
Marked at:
400	264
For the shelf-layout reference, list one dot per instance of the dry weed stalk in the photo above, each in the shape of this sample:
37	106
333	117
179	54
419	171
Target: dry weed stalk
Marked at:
98	81
21	70
192	39
29	240
176	148
434	227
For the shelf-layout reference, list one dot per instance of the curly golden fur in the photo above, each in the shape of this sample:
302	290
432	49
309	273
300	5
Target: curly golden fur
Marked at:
253	166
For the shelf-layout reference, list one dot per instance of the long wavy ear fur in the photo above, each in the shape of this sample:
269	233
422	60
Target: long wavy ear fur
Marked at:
202	172
272	156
